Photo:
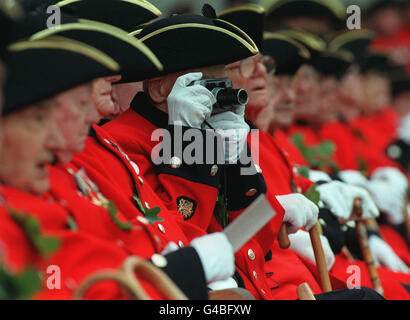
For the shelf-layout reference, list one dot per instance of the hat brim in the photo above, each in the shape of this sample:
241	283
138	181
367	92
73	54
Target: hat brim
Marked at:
136	60
39	70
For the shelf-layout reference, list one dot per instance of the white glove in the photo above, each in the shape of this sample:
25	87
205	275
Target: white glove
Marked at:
301	244
354	178
299	211
189	105
316	175
339	198
216	255
388	199
384	255
392	176
223	284
233	128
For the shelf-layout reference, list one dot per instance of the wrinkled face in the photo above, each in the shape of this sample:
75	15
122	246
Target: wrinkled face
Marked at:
104	97
284	100
75	114
401	103
256	83
351	94
125	93
377	91
30	140
328	100
306	87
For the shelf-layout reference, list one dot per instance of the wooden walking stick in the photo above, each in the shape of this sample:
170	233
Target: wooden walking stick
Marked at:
320	258
125	276
361	233
283	237
305	292
314	233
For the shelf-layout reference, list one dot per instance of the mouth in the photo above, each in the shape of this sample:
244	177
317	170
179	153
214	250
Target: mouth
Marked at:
42	168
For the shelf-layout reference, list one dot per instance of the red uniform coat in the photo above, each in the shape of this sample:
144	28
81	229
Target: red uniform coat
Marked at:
111	169
197	184
79	255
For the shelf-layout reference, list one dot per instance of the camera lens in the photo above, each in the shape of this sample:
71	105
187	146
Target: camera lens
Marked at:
229	96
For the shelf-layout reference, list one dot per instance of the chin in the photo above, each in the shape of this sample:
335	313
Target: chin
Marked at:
39	186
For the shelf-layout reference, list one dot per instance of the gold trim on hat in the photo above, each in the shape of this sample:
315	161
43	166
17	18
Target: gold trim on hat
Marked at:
249	45
302	50
135	32
145	4
341	39
90	25
62	43
247	7
335	6
308	39
237	29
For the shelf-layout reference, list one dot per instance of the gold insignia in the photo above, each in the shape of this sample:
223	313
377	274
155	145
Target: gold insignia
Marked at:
186	207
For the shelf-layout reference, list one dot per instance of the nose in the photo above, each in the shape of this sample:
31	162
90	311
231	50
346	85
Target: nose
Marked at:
260	69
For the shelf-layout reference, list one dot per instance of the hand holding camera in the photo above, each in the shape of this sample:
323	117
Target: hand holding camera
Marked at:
189	105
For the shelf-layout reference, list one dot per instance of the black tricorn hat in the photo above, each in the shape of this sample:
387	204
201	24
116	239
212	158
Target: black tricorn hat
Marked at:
10	13
36	21
400	85
333	63
334	10
124	14
355	41
41	69
315	44
373	61
288	54
250	18
183	42
399	80
136	60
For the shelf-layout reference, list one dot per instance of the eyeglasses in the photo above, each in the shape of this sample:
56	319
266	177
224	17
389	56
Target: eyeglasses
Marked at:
248	66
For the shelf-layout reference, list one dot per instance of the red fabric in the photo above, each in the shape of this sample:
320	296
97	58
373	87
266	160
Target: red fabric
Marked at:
79	254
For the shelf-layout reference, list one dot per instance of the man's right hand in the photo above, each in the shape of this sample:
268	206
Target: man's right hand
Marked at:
299	212
189	105
216	255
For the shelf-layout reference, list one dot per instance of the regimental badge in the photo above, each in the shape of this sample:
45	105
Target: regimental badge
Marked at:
186	207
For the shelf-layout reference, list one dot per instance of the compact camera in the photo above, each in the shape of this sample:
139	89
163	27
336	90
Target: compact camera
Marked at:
225	95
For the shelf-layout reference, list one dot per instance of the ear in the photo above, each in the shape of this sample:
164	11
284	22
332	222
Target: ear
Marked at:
159	89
